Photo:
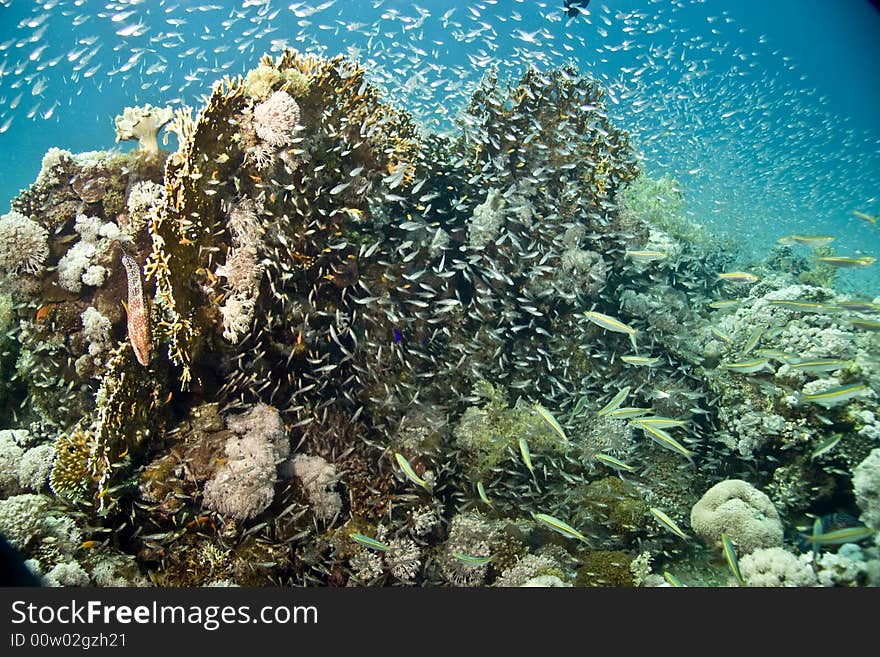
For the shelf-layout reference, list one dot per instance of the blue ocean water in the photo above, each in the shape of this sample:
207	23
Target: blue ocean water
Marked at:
765	115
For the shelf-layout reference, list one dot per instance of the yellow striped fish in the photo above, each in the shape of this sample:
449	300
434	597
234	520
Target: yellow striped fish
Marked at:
557	525
668	523
645	256
841	536
866	324
820	365
753	340
826	445
805	240
628	411
737	277
778	354
848	262
641	360
481	491
867	217
368	542
836	396
721	336
470	560
672	579
615	402
658	421
746	366
612	462
818	530
409	472
547	416
730	557
612	324
526	455
803	306
665	440
860	306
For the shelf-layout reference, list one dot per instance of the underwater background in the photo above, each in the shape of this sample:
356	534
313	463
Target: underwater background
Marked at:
440	293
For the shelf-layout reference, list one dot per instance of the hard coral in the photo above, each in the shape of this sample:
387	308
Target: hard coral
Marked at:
866	485
605	568
740	510
774	566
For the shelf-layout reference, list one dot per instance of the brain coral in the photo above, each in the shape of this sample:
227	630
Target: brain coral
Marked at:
740	510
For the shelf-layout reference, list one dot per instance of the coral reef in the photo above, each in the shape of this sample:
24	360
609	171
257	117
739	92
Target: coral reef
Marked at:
244	485
318	478
319	344
24	244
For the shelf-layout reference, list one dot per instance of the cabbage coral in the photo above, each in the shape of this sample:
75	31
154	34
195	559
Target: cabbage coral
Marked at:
143	123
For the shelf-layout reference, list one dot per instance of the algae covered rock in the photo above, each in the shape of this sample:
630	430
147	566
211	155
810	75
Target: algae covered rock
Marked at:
605	568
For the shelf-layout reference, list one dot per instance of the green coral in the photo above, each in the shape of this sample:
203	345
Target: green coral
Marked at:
485	433
296	83
113	202
260	81
94	457
659	202
605	568
70	474
616	504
